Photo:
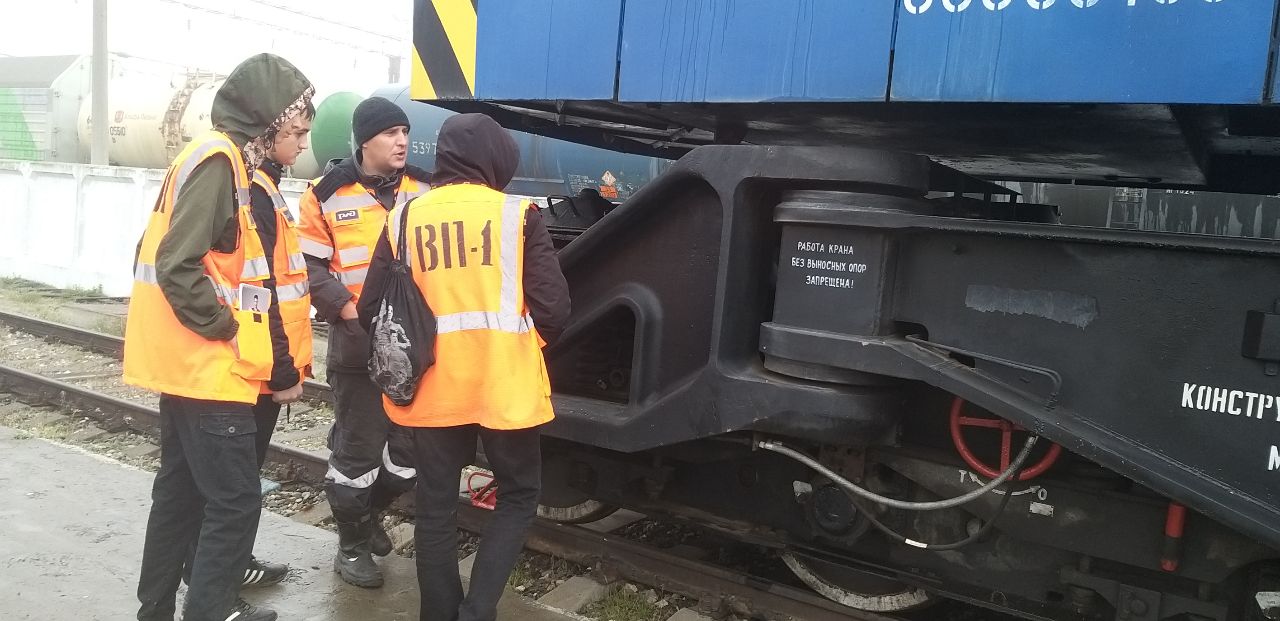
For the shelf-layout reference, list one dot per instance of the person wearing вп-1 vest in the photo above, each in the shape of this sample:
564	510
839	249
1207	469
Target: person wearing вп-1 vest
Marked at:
487	269
342	215
189	337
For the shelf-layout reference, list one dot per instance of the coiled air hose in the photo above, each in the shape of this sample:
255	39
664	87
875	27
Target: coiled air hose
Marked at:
934	505
1010	472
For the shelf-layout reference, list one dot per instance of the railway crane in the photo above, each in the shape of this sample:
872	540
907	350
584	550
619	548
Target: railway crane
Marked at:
834	328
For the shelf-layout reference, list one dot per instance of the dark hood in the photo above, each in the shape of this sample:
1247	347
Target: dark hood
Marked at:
474	148
255	93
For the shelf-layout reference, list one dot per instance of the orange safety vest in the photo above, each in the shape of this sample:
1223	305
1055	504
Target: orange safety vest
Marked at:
293	290
466	253
346	227
159	352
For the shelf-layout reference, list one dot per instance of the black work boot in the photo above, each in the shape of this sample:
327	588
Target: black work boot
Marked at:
379	541
354	561
260	573
243	611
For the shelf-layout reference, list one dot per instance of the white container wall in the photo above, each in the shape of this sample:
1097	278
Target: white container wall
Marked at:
76	225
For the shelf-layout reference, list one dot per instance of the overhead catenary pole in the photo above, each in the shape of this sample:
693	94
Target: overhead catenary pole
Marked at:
98	139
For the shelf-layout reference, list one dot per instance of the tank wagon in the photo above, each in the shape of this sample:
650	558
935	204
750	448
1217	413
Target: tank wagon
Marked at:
45	115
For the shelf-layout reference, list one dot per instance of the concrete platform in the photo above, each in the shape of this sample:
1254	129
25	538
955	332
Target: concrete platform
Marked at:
71	531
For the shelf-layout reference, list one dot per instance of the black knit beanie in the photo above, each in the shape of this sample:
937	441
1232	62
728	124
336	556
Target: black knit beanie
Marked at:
374	115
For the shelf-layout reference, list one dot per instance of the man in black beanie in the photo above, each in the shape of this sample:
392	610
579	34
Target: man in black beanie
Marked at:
343	214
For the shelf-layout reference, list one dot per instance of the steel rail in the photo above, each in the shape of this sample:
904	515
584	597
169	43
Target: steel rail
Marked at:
116	414
111	345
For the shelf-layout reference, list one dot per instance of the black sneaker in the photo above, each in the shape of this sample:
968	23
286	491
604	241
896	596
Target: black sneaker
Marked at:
243	611
260	574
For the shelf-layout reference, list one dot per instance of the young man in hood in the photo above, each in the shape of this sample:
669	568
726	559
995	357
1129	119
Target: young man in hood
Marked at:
342	215
486	266
191	338
289	311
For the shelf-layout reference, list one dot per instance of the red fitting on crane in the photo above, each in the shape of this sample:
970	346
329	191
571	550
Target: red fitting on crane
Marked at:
959	421
1175	522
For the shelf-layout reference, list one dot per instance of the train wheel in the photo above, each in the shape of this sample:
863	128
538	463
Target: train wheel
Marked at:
564	502
856	589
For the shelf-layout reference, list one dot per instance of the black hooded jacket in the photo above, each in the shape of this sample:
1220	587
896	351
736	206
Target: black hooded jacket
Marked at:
473	148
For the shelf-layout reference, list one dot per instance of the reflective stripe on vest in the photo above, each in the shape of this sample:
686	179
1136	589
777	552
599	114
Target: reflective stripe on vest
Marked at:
315	248
339	202
359	254
357	201
511	223
353	277
285	292
296	291
483	320
349	257
297	262
273	191
255	268
146	272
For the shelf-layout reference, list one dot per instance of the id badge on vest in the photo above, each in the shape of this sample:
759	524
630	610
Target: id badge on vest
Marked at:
253	337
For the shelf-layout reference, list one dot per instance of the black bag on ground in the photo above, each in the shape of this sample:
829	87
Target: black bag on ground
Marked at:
402	336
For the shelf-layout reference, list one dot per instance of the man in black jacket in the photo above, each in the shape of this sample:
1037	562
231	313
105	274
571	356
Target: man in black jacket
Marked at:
286	144
342	216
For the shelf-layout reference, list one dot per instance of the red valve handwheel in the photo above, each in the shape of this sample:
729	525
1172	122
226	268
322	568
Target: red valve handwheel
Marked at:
959	421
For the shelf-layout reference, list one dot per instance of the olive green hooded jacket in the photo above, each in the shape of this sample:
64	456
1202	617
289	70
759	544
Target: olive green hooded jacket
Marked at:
204	212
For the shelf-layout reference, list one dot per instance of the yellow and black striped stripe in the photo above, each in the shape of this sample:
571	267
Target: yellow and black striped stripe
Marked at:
444	49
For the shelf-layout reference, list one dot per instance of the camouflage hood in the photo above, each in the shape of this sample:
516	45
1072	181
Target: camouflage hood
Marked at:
261	93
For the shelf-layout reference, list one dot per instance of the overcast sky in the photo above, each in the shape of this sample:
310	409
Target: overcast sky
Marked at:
339	44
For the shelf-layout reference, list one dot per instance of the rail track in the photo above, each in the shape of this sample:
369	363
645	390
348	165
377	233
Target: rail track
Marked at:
110	345
725	587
